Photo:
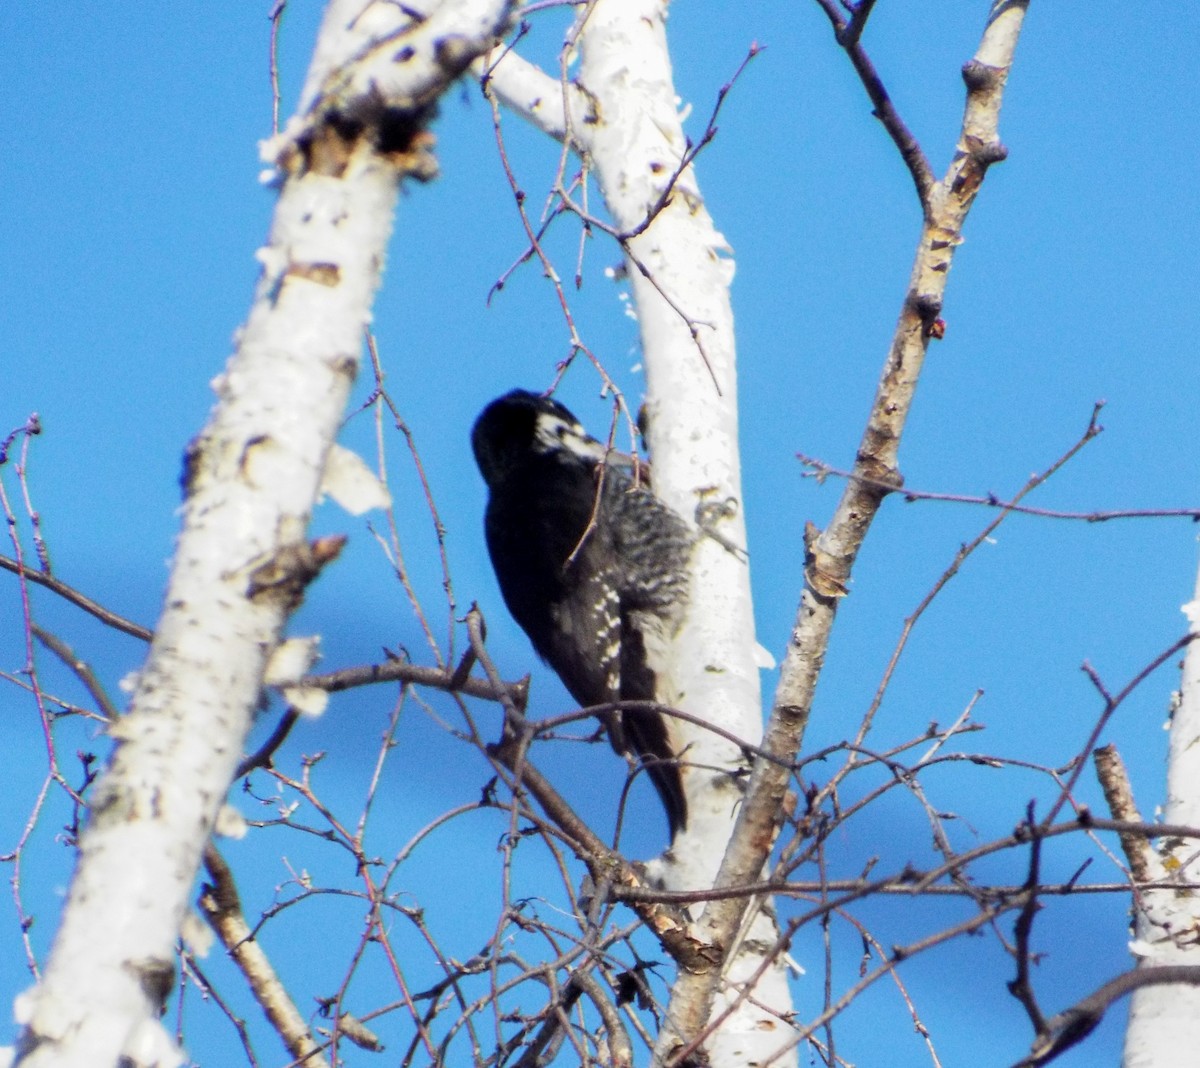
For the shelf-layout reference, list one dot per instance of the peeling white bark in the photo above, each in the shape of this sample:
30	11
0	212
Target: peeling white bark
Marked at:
680	269
1164	1020
243	558
622	116
635	145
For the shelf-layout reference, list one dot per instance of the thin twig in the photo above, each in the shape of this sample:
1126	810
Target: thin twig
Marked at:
80	668
1021	987
438	678
69	593
848	36
276	17
1111	704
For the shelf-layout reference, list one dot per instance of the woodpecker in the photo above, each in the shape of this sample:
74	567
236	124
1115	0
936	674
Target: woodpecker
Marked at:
592	566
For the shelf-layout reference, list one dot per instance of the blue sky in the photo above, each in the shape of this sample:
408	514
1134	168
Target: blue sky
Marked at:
132	211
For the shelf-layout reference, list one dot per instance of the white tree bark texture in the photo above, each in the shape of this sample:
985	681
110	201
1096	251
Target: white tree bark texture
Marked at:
680	269
243	558
622	117
1164	1019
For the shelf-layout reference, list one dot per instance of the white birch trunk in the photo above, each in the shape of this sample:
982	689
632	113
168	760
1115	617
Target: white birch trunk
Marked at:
243	558
622	116
691	403
1164	1019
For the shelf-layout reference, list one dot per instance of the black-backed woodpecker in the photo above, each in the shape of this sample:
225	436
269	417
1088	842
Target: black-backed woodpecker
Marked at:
592	566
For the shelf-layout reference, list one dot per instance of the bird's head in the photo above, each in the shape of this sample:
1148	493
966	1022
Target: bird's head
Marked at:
521	426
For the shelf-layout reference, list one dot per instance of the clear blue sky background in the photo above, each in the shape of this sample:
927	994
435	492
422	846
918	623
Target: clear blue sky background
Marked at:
131	213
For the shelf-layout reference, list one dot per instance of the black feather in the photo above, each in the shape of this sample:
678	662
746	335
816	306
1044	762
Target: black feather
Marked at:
592	567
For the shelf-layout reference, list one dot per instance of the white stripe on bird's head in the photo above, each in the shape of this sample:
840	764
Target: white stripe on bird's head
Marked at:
553	431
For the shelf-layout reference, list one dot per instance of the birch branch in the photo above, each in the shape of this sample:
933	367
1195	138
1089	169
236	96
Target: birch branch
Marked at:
528	91
222	908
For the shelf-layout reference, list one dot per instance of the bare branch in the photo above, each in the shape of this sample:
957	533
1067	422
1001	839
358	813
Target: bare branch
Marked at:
1073	1025
848	35
960	557
396	670
1021	987
533	94
1111	704
607	867
81	669
69	593
831	555
221	906
820	470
